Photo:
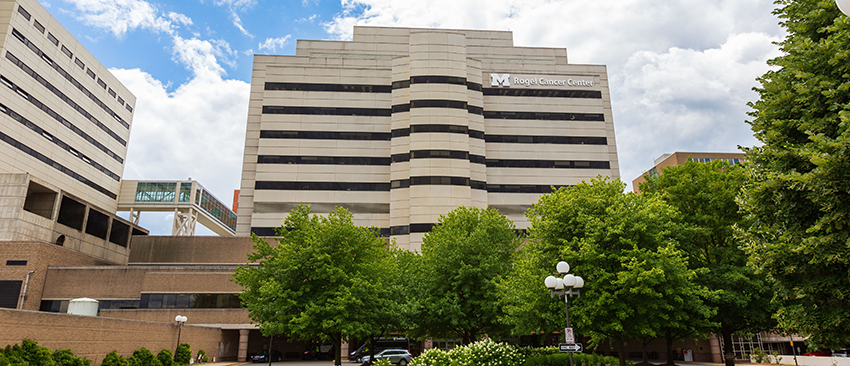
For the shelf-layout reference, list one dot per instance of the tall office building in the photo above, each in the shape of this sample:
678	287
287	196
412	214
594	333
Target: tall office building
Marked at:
403	125
64	125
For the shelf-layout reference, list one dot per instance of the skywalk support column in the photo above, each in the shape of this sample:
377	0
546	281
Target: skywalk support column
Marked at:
242	356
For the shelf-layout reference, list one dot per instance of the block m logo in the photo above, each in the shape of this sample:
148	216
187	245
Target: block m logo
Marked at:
504	80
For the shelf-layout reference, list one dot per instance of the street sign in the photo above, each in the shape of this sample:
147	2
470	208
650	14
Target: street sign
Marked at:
570	347
568	334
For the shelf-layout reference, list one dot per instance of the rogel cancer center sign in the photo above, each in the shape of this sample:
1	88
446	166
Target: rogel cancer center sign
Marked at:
507	80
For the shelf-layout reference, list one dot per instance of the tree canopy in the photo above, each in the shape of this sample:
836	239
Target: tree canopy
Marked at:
800	177
636	279
705	195
463	258
320	281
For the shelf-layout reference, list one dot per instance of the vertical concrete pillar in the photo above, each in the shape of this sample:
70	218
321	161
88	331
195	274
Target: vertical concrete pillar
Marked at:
714	344
242	356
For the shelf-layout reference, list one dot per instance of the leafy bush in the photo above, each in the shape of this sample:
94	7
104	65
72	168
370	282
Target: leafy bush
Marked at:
382	362
165	357
184	354
8	359
64	357
527	352
202	356
579	359
776	358
113	359
29	353
143	357
432	357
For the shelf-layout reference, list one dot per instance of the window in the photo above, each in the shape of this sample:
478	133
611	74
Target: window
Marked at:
155	191
52	38
90	73
24	12
38	26
129	108
16	263
80	63
111	92
101	83
71	213
120	101
67	52
10	291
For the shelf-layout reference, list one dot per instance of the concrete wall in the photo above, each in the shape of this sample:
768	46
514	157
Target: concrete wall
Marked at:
94	337
190	249
813	361
38	256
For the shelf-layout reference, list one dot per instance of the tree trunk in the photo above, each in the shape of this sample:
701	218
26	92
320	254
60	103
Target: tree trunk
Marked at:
337	339
645	343
621	350
729	354
372	343
669	339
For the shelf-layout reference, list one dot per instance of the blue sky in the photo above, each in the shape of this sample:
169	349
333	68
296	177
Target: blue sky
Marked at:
680	72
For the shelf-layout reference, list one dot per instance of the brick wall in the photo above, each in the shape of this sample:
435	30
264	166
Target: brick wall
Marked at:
94	337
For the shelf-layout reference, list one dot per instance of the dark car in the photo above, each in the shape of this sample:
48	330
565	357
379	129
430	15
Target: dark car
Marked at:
263	356
844	352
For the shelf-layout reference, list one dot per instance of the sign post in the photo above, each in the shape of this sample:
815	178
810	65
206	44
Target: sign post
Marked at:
568	335
570	347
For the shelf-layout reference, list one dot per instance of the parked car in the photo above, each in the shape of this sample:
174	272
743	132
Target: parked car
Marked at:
400	357
820	352
844	352
380	345
317	351
263	356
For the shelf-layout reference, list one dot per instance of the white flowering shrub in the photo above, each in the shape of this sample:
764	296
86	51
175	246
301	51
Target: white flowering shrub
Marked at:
432	357
486	353
382	362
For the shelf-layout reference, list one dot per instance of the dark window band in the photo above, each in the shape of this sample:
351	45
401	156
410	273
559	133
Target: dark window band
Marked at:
71	79
328	111
44	159
401	84
561	164
545	116
565	140
402	132
272	231
438	154
322	135
521	188
57	141
330	87
323	160
321	186
71	103
437	181
544	93
437	103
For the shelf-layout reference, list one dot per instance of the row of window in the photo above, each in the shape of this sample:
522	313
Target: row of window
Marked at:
156	301
322	160
402	183
383	112
438	154
29	71
430	154
454	80
731	161
403	132
73	215
43	158
70	55
70	78
64	146
162	192
385	232
561	164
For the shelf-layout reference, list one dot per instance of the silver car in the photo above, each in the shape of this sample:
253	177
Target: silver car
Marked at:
400	357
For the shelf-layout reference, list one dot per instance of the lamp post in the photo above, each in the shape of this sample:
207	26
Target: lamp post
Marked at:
567	287
180	319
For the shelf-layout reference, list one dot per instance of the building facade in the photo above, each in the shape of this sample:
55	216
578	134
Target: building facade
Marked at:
402	125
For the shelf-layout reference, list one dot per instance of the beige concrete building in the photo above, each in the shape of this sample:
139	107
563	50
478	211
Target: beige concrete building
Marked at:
679	158
64	127
402	125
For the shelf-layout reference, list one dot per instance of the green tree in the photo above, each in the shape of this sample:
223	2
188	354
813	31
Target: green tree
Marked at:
30	352
65	357
797	201
143	357
165	357
184	354
463	258
637	283
705	195
319	281
114	359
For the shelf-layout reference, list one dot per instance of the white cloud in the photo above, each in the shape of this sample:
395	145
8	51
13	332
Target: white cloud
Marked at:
680	72
179	18
122	16
272	44
197	130
236	6
203	57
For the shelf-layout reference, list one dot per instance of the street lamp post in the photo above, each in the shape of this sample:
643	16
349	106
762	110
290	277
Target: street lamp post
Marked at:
180	319
567	287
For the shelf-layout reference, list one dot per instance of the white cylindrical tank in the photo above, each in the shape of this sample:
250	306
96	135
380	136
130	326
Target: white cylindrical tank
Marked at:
83	306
